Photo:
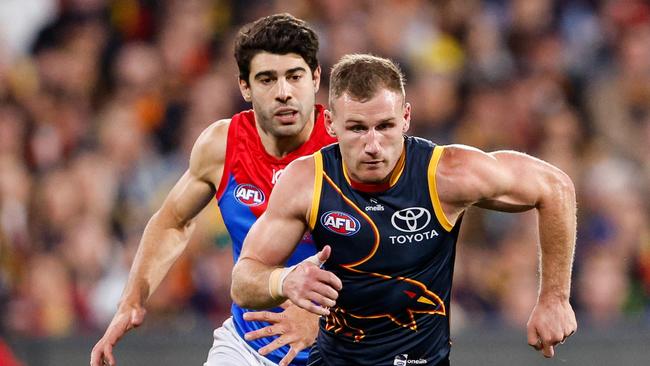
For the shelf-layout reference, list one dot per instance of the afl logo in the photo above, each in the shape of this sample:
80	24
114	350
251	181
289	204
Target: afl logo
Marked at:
410	220
249	195
340	223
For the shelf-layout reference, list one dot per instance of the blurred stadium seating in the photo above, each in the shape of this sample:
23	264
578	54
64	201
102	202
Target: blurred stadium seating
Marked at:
101	101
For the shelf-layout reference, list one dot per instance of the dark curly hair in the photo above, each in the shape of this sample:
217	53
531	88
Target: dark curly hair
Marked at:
279	34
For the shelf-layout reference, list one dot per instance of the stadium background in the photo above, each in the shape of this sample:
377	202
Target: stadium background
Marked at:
100	102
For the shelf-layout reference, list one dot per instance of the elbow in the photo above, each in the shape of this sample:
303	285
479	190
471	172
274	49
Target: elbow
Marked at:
164	220
237	292
560	189
565	187
238	298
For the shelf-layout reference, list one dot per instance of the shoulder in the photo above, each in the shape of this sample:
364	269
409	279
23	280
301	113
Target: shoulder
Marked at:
209	151
293	190
300	170
298	178
458	160
463	171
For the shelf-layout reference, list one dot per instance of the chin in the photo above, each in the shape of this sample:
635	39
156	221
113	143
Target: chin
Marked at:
287	130
373	177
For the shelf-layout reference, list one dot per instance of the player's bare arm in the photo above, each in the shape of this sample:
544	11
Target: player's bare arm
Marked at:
295	326
169	229
166	236
513	182
270	242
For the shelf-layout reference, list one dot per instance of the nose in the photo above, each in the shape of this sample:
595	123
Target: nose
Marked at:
283	90
371	143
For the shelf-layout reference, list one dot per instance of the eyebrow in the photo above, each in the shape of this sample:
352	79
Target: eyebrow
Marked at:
353	121
296	69
386	120
272	73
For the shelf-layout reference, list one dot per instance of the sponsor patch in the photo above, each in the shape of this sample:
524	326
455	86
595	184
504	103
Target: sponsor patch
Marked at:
410	220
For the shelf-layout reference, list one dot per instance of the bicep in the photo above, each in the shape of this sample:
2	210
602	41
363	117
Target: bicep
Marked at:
504	180
277	232
519	183
185	200
273	238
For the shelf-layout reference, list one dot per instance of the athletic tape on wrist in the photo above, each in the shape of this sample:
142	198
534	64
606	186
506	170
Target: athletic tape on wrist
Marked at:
274	283
278	275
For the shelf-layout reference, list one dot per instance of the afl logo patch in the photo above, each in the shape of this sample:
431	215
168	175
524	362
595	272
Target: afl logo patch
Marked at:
340	223
249	195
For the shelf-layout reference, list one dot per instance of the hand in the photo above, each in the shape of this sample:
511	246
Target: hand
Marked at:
551	322
296	327
312	288
123	321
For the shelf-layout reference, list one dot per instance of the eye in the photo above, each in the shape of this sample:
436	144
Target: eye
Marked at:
357	128
295	77
266	81
384	126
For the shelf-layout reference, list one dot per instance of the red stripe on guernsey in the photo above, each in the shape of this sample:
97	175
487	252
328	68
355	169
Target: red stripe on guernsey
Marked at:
252	167
369	188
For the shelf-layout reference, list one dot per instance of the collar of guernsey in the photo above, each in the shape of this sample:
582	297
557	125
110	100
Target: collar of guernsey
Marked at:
248	178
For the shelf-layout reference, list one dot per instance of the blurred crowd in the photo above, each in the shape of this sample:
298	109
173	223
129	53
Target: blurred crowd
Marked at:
101	101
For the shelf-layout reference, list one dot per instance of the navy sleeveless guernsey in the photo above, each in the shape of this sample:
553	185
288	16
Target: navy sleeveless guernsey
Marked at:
394	252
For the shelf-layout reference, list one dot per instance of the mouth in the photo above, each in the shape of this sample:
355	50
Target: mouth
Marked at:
372	163
286	115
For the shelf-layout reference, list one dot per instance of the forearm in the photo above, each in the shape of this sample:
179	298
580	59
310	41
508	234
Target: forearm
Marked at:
160	247
250	285
557	229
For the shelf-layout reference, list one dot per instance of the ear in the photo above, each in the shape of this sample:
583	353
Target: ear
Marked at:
329	123
316	77
407	117
245	90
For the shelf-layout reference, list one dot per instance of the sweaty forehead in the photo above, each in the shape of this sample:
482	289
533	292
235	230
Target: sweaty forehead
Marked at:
275	63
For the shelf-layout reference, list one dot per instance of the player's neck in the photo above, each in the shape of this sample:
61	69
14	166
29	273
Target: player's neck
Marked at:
280	147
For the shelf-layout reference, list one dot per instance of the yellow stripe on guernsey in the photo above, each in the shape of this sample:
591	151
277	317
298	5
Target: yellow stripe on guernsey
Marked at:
394	176
433	191
318	184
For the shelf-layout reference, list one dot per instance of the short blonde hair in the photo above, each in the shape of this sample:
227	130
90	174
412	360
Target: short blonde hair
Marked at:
362	75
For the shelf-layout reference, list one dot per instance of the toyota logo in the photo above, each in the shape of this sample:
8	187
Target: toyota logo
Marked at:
410	220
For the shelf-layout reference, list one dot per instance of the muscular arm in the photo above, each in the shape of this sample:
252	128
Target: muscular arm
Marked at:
169	229
513	182
166	236
271	241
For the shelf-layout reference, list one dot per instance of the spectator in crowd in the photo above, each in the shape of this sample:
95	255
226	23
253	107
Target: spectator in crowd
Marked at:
99	108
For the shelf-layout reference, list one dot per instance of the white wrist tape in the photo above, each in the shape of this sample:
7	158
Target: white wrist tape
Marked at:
277	277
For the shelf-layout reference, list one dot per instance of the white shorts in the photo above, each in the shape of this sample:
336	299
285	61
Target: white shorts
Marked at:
229	349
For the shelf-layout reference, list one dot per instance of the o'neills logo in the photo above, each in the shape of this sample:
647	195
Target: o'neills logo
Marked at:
403	360
340	223
249	195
